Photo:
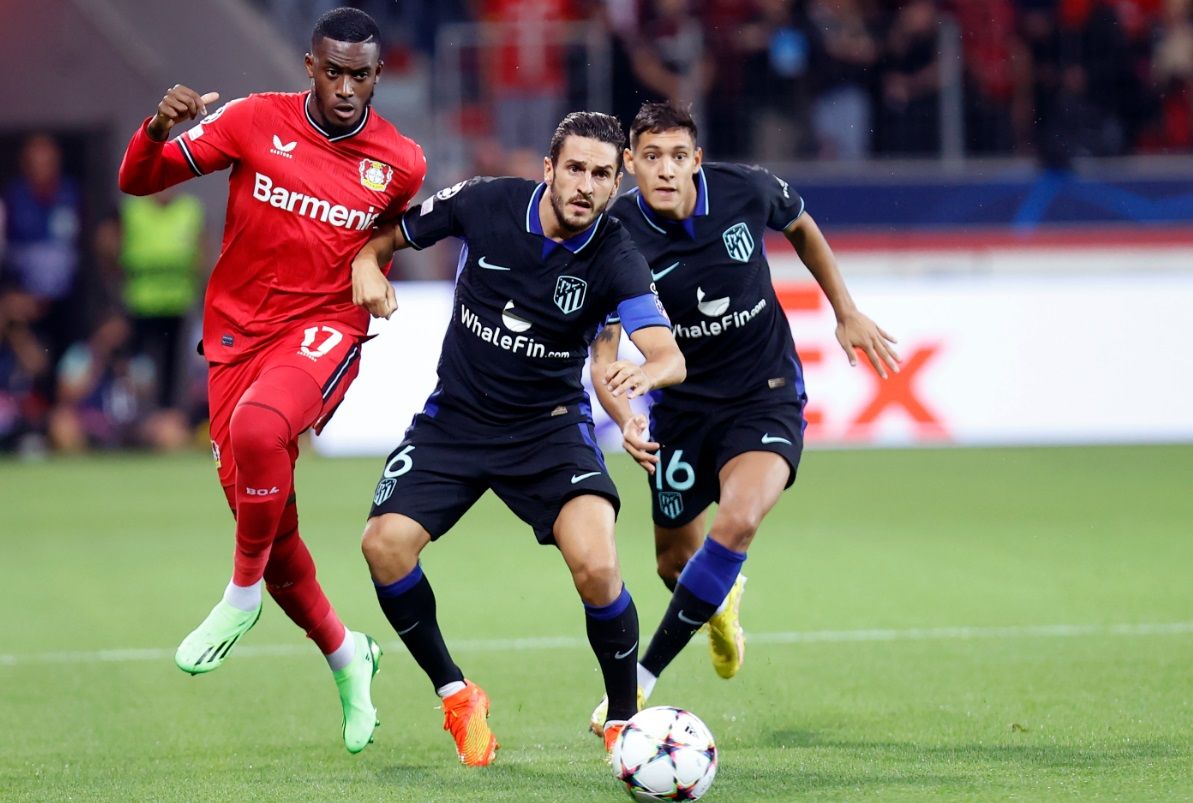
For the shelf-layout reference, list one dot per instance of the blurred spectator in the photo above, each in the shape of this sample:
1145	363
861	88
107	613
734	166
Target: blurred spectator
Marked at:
998	103
845	55
105	398
526	68
909	119
776	52
732	95
24	364
1039	29
161	257
1094	109
1172	75
42	232
668	54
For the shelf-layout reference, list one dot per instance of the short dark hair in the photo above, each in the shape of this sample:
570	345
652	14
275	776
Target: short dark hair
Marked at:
346	25
655	118
592	125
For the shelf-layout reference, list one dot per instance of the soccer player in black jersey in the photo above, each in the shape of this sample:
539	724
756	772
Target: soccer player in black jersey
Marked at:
733	431
541	268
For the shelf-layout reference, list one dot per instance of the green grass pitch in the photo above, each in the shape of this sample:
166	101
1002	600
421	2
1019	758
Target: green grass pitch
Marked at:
1000	624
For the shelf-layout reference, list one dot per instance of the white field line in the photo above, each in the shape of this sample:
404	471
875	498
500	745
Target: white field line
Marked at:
570	642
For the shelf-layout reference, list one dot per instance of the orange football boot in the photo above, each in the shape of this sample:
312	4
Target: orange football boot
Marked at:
465	716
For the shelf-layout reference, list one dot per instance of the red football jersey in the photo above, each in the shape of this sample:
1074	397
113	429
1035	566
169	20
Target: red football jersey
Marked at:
301	203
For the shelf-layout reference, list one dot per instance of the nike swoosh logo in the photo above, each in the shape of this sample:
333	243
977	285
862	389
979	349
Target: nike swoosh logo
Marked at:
663	272
686	620
578	477
768	438
627	653
487	265
407	630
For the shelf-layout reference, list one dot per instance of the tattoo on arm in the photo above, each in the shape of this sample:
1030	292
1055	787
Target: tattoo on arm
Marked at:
603	336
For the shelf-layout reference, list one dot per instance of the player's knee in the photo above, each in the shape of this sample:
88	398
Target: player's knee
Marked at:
391	546
255	429
669	565
597	581
735	526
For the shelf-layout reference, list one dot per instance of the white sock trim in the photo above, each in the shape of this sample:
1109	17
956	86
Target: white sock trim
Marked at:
245	598
450	688
646	681
342	655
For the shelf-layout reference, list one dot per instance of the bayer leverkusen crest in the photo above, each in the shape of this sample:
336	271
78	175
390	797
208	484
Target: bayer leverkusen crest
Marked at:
375	175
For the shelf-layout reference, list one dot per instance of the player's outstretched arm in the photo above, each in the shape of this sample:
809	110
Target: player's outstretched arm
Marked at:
370	286
148	167
854	329
633	426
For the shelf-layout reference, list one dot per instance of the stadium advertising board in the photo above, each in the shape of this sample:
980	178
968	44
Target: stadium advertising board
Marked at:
987	359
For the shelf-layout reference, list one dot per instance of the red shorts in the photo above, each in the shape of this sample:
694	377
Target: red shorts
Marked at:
327	351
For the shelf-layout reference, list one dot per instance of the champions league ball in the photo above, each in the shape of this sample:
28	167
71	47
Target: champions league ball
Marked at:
665	753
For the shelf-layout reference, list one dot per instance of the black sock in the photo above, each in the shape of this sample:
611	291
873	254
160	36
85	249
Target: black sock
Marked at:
409	605
685	614
613	634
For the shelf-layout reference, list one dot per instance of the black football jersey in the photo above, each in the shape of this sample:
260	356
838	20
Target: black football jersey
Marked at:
525	308
713	278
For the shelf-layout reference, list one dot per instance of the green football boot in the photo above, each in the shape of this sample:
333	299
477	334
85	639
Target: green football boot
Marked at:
355	684
208	645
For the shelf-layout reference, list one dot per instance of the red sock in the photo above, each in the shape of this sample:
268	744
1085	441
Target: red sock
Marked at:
263	432
290	578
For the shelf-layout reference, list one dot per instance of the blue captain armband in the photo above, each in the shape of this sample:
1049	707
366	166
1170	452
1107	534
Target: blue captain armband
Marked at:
639	312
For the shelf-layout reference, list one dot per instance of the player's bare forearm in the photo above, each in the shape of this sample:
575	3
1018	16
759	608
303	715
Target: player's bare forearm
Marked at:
370	287
665	364
816	254
616	382
854	330
378	251
603	352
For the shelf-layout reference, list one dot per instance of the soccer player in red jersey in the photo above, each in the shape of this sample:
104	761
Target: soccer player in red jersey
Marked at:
312	174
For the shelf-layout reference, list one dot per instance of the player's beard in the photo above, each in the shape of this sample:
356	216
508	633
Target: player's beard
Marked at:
560	212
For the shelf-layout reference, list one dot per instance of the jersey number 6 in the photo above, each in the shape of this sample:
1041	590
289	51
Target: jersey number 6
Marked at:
676	468
400	463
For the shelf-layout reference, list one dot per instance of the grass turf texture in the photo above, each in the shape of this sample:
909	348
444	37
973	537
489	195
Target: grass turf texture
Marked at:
128	553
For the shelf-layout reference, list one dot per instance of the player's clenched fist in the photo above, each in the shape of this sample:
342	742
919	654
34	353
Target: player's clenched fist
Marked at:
371	290
179	104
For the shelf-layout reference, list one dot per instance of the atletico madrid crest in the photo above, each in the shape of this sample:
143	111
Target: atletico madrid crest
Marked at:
375	175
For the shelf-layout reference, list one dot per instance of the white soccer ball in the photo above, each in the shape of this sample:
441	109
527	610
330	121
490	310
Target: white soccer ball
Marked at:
665	753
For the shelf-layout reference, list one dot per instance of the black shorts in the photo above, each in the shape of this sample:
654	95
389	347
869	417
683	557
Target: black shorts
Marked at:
438	472
695	444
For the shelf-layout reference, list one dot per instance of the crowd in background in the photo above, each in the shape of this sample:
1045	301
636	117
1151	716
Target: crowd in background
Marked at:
98	307
833	79
93	336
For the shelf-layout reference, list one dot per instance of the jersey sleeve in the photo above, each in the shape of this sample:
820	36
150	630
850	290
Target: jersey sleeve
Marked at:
149	166
214	142
440	215
783	204
637	304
